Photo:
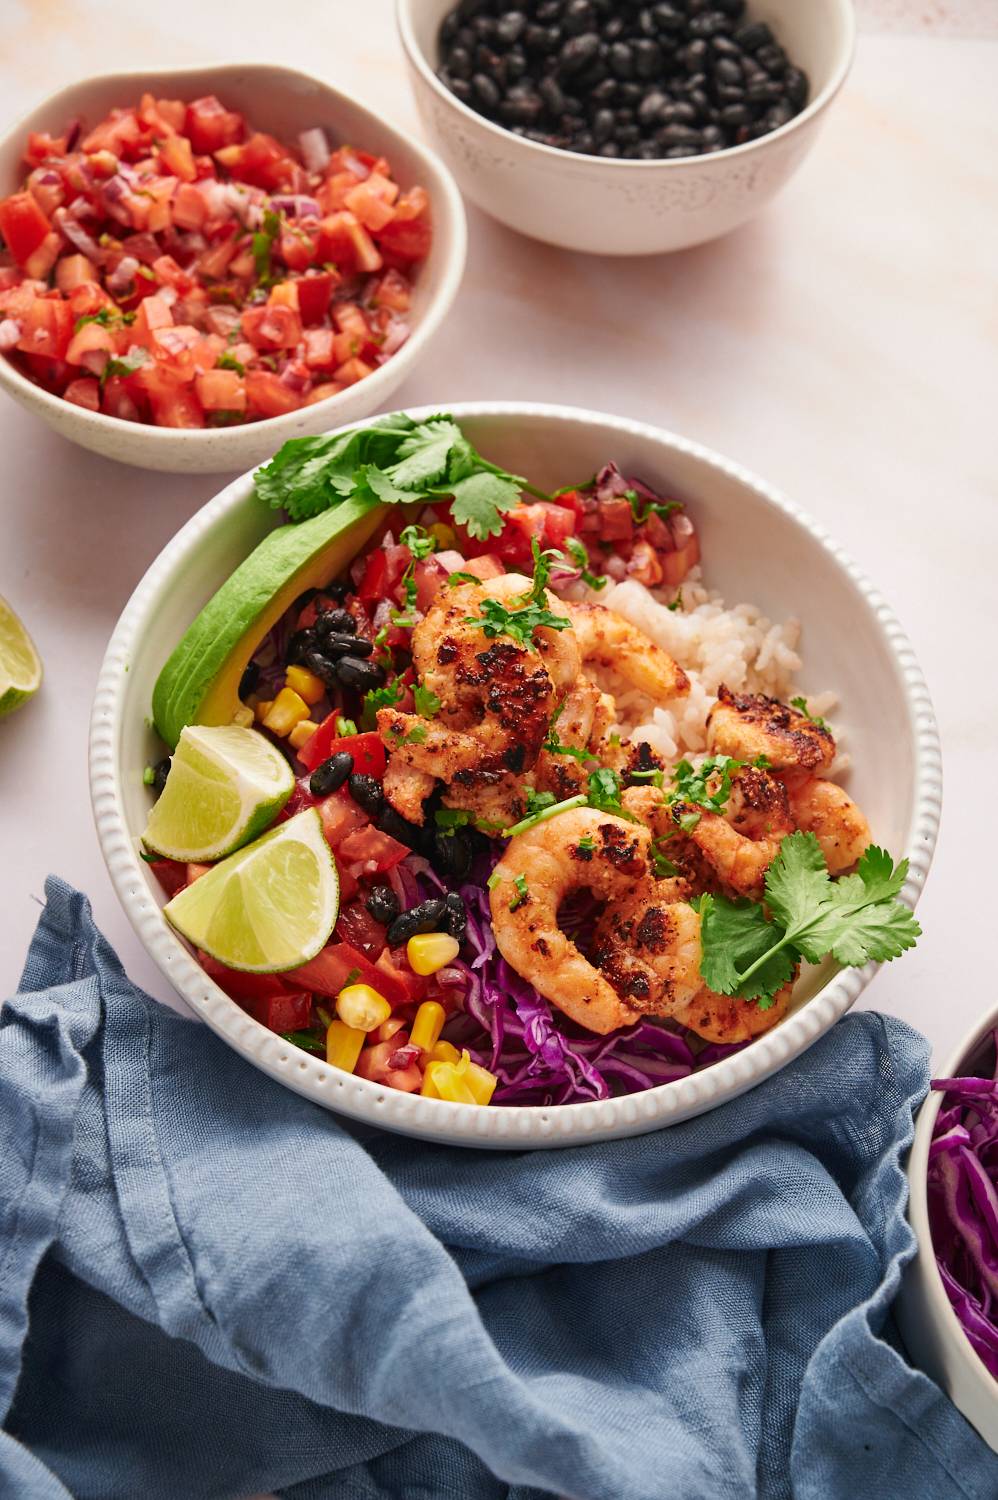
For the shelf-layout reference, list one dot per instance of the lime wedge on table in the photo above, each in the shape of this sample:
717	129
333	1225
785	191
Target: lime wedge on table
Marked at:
268	907
20	668
226	785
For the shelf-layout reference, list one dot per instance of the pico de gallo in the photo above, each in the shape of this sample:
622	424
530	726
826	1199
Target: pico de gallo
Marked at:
175	266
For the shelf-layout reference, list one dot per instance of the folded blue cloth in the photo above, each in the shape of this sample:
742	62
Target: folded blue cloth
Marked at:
210	1286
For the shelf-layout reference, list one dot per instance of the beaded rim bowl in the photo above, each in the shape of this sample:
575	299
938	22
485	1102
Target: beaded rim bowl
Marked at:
757	544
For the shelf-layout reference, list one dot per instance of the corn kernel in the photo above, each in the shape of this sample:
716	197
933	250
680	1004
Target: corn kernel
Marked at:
261	708
343	1045
305	684
243	716
427	1026
444	536
446	1079
444	1052
361	1007
429	1088
287	710
301	733
480	1081
431	951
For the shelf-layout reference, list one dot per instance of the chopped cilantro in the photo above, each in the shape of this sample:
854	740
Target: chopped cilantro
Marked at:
604	792
416	736
427	702
306	1040
127	365
538	801
663	866
450	819
493	880
419	541
642	508
801	705
107	317
707	786
586	844
522	892
454	580
229	362
382	697
225	418
529	614
677	603
580	556
262	246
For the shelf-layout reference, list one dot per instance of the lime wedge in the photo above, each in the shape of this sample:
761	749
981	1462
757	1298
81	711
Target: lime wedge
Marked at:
226	785
20	668
268	907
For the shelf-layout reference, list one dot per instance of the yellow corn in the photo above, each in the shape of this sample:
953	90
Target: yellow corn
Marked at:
301	732
343	1045
261	708
481	1082
287	710
444	1052
243	716
446	1082
305	684
361	1007
427	1026
431	951
443	534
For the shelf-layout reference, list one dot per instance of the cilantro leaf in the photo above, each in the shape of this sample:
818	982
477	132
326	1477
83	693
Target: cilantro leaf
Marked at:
127	365
479	500
734	937
419	541
229	362
800	704
423	453
579	554
538	801
427	702
309	474
797	881
604	791
382	697
643	507
522	892
262	245
450	819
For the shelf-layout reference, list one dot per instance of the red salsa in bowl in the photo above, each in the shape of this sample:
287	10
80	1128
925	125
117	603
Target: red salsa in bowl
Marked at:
173	266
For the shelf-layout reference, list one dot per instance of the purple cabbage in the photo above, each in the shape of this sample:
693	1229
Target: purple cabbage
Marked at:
963	1199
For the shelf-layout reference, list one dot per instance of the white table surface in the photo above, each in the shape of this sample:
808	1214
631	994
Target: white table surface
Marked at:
844	346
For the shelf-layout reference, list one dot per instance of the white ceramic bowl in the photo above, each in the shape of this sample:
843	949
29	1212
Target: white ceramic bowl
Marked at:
282	102
931	1328
616	207
757	546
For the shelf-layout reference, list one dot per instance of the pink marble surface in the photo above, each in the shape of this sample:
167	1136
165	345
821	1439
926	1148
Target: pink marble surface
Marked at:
845	345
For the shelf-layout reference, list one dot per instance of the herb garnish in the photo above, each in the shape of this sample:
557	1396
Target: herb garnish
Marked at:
450	819
538	801
579	554
107	317
751	949
382	697
529	613
305	1040
522	892
603	794
661	508
398	461
229	362
801	705
427	702
127	365
420	544
677	603
262	246
345	728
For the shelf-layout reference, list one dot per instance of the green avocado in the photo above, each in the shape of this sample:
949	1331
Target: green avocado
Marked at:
200	682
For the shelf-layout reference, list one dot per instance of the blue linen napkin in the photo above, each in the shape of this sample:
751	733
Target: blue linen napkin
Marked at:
209	1286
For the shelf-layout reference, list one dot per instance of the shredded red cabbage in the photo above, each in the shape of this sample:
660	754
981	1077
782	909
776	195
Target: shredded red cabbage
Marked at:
963	1198
511	1030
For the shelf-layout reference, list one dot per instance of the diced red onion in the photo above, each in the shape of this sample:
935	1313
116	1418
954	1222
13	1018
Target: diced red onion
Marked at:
10	332
94	361
192	242
298	205
168	294
80	208
78	236
354	164
404	1057
398	332
294	379
47	178
221	320
314	149
144	247
121	278
113	193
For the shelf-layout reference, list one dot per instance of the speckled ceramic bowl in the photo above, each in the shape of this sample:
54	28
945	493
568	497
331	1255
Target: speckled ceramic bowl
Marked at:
628	207
282	102
756	544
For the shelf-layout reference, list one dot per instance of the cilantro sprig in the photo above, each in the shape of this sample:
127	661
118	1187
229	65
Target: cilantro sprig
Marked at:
643	507
751	949
398	461
262	246
529	612
579	555
801	706
602	793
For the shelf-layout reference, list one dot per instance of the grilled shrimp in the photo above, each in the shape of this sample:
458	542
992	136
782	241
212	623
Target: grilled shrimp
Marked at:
725	1018
496	700
747	725
579	849
648	946
609	642
826	810
581	723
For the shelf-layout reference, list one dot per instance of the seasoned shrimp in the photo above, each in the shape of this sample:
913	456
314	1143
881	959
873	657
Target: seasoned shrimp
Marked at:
725	1018
579	849
609	642
747	725
826	810
648	946
580	723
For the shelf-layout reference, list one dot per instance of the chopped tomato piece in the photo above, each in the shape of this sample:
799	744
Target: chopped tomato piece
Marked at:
356	925
190	207
405	240
47	328
291	1010
22	225
267	396
372	211
353	370
91	338
221	390
368	751
171	874
153	314
370	845
314	292
393	291
340	964
42	146
210	126
73	271
340	816
396	968
85	393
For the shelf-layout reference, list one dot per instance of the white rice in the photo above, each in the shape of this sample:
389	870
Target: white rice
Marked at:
714	644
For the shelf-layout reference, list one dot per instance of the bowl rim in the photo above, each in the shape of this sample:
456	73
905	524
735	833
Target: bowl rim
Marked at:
418	60
227	441
918	1210
462	1124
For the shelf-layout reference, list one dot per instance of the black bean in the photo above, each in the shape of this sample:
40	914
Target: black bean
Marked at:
773	59
460	89
548	11
409	834
712	135
483	29
695	56
578	17
585	142
459	63
613	30
732	8
249	679
331	774
648	59
516	65
604	124
485	90
668	18
455	917
727	71
699	100
680	113
510	26
521	107
605	92
577	53
383	904
551	95
780	114
628	135
160	772
367	792
422	918
449	26
621	60
709	23
651	107
764	93
452	855
678	135
355	673
491	64
540	39
673	153
796	84
648	151
723	46
630	93
299	645
754	35
339	620
609	148
323	667
735	114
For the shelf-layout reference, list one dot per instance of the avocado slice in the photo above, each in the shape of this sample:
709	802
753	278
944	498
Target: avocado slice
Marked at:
200	682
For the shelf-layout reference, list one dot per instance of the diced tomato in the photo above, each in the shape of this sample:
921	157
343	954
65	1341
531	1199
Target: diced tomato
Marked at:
40	262
356	925
74	270
572	500
171	874
177	157
85	393
340	816
374	1064
41	147
221	390
345	241
266	396
47	328
405	240
314	291
323	392
412	205
616	520
430	578
369	845
22	225
398	972
190	207
319	348
173	402
340	963
372	211
352	371
210	126
393	291
486	565
368	751
153	314
116	400
271	327
291	1011
47	194
214	262
88	298
297	246
91	338
260	160
170	274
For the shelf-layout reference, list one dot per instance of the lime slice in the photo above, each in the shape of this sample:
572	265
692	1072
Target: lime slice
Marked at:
225	786
268	907
20	668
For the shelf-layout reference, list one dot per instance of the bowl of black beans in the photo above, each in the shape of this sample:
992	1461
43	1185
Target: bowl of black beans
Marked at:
624	127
